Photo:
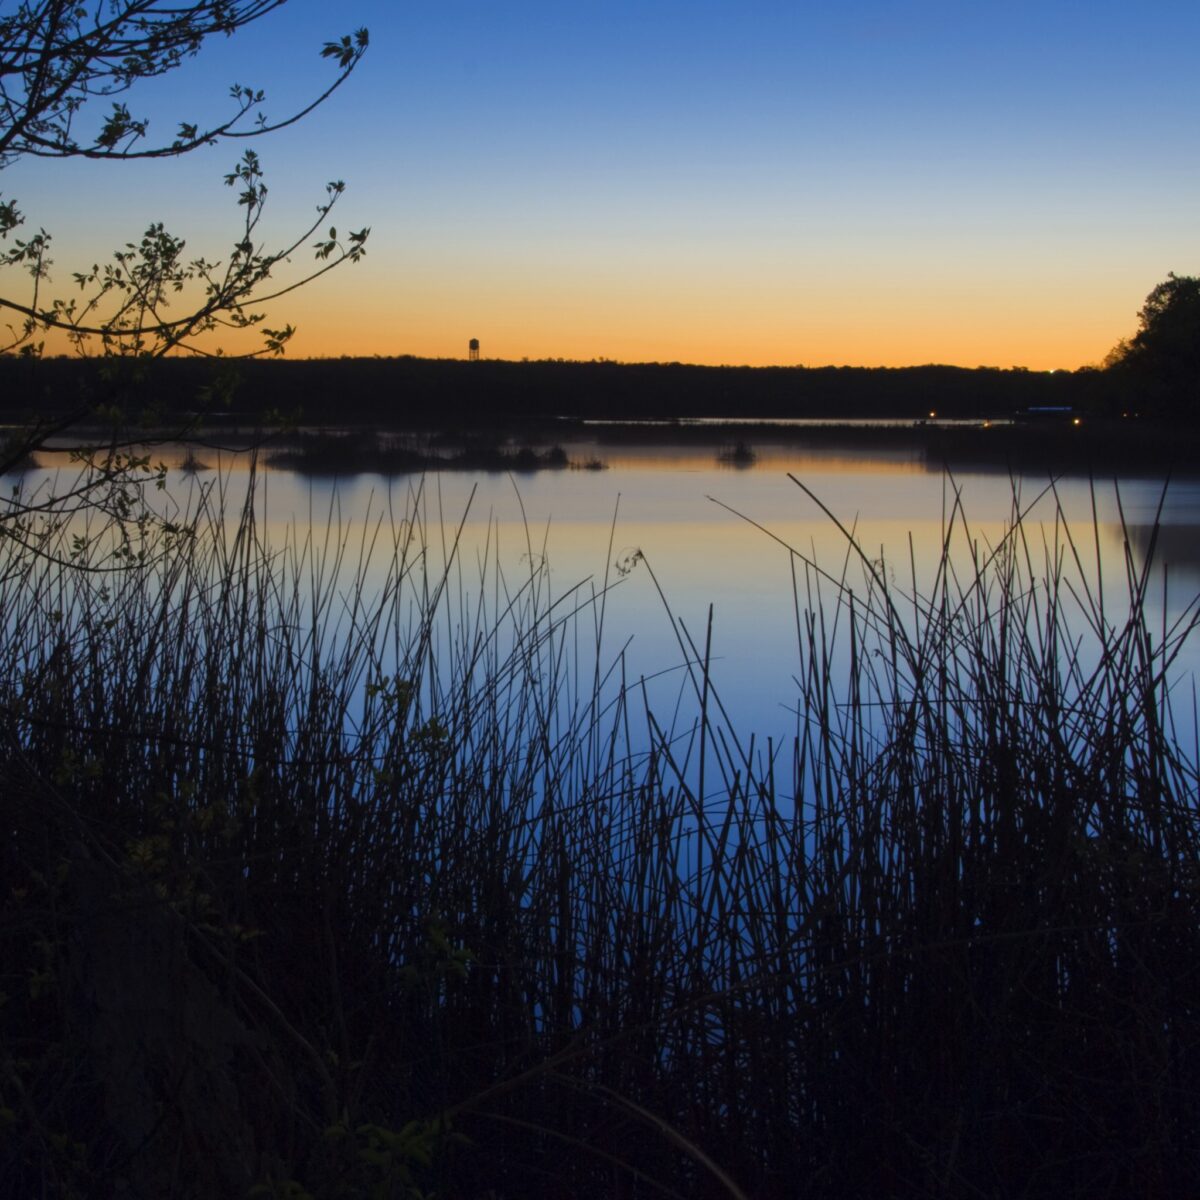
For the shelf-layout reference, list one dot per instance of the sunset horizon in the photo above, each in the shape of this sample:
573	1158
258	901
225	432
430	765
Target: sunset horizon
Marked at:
867	185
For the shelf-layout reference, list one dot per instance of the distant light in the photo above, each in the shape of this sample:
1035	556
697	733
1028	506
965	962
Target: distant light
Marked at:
1075	422
932	413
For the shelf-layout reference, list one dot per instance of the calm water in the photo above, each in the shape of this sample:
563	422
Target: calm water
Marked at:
671	533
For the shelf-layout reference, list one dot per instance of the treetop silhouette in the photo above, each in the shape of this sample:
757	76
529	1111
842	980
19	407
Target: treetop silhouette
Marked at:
1165	351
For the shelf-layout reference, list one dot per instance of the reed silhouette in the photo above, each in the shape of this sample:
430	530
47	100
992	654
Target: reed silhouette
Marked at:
324	889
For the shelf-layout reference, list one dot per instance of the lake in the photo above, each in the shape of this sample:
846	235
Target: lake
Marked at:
646	548
665	533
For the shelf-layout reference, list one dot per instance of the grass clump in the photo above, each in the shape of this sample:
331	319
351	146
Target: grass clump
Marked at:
330	880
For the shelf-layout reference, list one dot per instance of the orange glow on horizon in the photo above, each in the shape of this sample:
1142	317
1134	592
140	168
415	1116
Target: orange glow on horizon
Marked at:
341	320
358	312
327	336
363	341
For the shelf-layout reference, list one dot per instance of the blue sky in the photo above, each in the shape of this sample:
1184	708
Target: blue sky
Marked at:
863	183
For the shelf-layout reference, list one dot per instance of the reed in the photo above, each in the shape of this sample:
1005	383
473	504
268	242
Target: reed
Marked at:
346	867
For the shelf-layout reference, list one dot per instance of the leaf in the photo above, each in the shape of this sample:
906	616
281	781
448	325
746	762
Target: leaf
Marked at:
344	50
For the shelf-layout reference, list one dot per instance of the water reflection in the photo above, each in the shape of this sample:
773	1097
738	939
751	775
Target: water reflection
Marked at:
691	531
1176	547
693	535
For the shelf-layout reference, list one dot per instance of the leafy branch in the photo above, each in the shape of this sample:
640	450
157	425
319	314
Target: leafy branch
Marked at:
126	300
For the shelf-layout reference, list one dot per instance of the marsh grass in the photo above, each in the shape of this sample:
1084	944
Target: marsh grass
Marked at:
387	882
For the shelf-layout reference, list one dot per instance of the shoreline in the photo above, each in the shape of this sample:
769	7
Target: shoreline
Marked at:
1067	445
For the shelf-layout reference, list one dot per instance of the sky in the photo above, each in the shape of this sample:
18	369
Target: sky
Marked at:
881	183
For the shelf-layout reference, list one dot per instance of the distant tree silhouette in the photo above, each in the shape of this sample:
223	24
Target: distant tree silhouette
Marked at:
1165	351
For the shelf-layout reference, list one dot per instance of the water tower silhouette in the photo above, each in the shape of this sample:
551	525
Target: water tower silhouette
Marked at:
473	350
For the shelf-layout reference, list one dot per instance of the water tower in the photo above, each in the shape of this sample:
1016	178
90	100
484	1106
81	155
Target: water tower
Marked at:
473	350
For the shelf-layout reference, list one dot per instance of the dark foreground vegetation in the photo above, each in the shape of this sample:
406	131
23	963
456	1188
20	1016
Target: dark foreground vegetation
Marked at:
318	888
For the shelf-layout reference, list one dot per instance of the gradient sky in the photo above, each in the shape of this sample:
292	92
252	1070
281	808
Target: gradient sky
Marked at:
886	183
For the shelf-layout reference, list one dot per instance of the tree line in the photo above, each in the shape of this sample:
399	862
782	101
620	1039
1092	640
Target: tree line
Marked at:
415	392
